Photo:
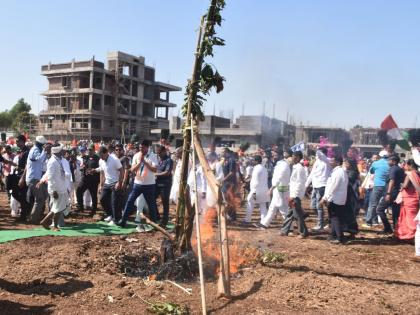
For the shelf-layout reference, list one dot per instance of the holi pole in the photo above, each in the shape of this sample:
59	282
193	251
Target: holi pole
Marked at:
197	224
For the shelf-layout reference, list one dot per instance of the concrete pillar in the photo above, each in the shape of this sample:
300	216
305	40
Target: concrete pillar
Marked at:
90	101
90	87
103	81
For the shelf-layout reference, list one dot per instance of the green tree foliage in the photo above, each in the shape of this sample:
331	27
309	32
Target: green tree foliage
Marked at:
24	122
208	77
17	116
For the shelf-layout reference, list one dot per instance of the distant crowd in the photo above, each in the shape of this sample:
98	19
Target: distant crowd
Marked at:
130	178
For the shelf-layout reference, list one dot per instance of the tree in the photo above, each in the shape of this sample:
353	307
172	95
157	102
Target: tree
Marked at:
25	122
20	107
8	118
203	79
5	120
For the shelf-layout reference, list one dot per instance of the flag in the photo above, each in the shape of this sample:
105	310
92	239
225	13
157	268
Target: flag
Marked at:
394	133
298	147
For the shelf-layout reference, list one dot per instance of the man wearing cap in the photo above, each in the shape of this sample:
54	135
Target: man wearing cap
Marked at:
57	187
37	194
90	179
380	169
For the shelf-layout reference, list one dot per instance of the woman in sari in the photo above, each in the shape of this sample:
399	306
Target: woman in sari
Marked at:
406	226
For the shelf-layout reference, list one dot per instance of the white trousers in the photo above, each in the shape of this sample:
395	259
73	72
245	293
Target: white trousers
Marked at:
87	199
14	206
250	208
280	202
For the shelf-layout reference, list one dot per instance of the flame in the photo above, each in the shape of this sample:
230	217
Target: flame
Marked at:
239	253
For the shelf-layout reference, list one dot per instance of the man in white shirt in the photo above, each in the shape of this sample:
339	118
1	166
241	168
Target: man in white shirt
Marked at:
110	185
335	198
318	177
144	166
280	191
258	193
201	182
297	192
216	168
57	188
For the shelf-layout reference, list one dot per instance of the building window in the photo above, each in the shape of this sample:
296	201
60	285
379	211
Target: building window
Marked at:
49	124
161	112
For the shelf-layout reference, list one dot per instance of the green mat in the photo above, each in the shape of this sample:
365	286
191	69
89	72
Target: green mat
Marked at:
83	229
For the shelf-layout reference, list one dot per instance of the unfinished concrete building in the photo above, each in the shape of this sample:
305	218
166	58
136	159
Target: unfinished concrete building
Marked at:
85	100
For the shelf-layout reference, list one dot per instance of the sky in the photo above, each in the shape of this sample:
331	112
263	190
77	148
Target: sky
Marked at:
319	62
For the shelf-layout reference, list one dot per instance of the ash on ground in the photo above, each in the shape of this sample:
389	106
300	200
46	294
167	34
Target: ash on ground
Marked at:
143	263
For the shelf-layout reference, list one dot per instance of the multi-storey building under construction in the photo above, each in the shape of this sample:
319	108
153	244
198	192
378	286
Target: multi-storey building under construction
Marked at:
85	100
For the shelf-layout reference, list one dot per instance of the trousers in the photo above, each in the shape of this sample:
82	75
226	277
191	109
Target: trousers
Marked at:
295	213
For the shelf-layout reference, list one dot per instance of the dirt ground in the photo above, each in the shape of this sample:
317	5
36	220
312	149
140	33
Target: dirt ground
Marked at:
84	275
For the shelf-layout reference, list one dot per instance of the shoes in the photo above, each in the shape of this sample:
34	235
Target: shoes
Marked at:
366	226
137	219
284	234
302	236
317	228
121	223
108	219
244	223
260	226
140	228
111	223
385	233
336	242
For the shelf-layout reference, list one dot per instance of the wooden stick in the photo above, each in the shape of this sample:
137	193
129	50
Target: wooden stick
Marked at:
223	288
188	291
157	227
197	224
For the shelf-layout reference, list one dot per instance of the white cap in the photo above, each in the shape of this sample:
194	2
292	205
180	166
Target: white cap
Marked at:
57	149
41	139
383	153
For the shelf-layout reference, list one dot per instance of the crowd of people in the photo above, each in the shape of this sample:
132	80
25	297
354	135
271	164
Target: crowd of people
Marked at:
130	178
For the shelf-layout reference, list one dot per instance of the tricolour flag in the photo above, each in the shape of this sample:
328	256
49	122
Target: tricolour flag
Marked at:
394	133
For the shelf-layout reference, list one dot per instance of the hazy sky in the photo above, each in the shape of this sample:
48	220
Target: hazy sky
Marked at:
331	62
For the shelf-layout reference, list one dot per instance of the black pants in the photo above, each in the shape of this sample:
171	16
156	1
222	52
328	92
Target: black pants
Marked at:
90	184
20	195
112	201
164	190
295	213
383	205
335	213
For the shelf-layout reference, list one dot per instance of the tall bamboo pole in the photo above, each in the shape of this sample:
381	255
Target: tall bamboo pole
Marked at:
197	224
180	209
223	287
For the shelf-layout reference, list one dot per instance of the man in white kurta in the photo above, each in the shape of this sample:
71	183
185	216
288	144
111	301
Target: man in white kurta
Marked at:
216	168
258	193
280	190
201	187
57	187
297	192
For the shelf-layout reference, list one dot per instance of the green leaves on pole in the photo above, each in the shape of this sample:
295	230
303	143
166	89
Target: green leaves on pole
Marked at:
208	77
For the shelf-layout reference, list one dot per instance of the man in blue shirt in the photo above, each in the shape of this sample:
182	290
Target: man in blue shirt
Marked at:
380	169
37	193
